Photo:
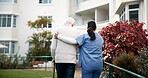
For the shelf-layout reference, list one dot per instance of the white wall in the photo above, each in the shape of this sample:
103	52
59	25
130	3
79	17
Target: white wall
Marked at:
145	14
60	10
8	34
102	15
30	10
9	8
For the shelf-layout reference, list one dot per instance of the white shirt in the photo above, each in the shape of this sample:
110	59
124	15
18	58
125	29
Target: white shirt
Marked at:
61	51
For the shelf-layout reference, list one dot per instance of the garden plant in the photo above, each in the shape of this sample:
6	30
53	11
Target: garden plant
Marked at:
125	37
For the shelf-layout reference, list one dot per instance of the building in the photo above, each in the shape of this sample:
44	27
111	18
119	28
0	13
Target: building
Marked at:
14	14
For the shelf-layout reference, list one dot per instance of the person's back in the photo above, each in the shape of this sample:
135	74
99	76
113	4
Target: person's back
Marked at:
91	52
63	53
66	53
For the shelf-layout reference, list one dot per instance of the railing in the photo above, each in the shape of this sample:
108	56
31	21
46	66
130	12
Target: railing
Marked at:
103	22
124	74
22	62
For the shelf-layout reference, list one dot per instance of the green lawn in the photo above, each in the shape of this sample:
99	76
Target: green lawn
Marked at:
25	74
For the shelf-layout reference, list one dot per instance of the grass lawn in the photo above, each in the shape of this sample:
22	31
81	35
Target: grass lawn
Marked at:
25	74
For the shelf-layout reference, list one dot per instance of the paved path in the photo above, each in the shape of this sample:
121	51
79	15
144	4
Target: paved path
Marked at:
78	73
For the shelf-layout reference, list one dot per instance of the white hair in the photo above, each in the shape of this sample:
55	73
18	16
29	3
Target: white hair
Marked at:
70	21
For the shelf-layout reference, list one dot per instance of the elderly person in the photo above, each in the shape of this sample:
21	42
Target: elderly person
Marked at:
63	53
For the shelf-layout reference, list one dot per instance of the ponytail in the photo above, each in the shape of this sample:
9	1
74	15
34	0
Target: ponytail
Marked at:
91	28
91	33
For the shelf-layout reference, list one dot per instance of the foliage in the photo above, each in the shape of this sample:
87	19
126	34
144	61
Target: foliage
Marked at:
126	61
11	62
112	74
18	62
142	62
39	23
40	41
123	37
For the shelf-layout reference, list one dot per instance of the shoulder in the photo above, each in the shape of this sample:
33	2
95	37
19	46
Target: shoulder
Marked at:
84	36
99	36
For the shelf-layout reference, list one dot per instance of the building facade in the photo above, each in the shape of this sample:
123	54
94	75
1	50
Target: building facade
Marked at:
14	14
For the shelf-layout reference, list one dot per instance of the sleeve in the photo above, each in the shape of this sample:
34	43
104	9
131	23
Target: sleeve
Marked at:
80	40
67	39
53	47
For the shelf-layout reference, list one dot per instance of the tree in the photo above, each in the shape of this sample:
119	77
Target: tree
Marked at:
123	37
41	41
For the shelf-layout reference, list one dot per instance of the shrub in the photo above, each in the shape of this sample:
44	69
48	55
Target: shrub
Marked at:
14	62
126	61
8	62
41	44
142	62
123	37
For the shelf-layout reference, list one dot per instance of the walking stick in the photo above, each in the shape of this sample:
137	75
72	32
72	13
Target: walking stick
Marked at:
53	74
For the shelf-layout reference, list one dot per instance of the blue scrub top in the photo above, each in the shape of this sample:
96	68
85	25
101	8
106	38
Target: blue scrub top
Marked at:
90	52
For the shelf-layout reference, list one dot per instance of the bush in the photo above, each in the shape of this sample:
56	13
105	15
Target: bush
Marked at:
14	62
126	61
123	37
8	62
142	62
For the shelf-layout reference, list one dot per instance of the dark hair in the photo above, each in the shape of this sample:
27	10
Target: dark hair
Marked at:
91	27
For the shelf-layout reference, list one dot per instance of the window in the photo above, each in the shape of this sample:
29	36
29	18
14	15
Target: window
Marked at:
11	47
133	15
15	1
7	21
133	6
49	24
84	0
130	12
76	22
122	15
8	1
84	22
30	45
134	12
45	1
14	21
76	2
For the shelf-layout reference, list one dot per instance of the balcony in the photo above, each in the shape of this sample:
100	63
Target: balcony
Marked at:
10	34
95	11
9	8
90	4
100	25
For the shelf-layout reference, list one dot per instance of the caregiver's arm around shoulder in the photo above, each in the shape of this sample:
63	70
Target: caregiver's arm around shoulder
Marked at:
65	39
